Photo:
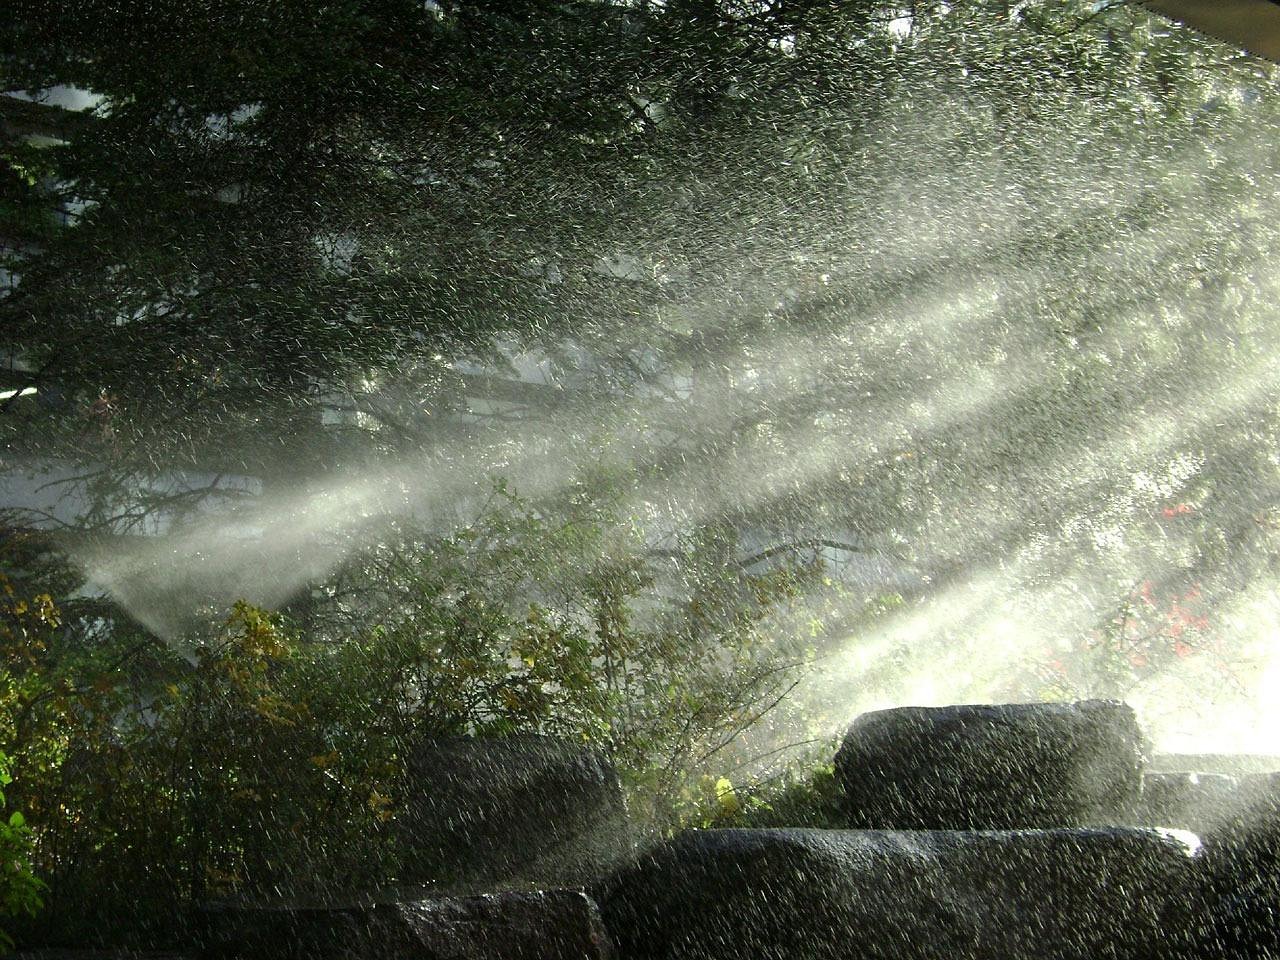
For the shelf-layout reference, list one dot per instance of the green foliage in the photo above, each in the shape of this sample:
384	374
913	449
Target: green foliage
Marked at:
20	890
460	149
803	793
255	765
261	760
556	618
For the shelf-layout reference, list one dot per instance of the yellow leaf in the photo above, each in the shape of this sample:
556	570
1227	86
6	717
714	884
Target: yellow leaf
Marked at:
325	760
726	797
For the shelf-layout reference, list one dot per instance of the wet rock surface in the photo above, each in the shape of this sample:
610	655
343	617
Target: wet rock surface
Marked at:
493	818
540	925
1237	818
511	811
1072	894
1199	802
1241	871
992	766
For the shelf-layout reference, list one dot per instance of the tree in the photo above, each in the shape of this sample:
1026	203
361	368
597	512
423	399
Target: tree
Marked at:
982	285
276	218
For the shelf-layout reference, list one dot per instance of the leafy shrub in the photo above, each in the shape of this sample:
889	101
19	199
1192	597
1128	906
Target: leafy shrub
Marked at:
20	890
803	794
266	759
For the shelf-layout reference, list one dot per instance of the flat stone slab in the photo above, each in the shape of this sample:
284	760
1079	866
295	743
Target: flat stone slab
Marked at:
539	925
1068	894
992	766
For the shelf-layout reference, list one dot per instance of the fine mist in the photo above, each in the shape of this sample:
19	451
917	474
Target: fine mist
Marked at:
1039	381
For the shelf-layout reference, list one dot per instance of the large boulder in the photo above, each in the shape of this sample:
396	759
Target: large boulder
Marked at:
992	766
510	812
540	925
808	894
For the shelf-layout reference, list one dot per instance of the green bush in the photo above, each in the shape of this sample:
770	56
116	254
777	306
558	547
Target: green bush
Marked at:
557	618
267	757
20	890
802	794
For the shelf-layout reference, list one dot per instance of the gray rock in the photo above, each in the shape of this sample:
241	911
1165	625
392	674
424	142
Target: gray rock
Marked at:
1233	764
992	767
1199	802
807	894
541	925
514	811
1241	886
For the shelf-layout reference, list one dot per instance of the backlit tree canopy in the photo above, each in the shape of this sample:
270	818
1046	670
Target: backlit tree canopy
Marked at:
983	283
